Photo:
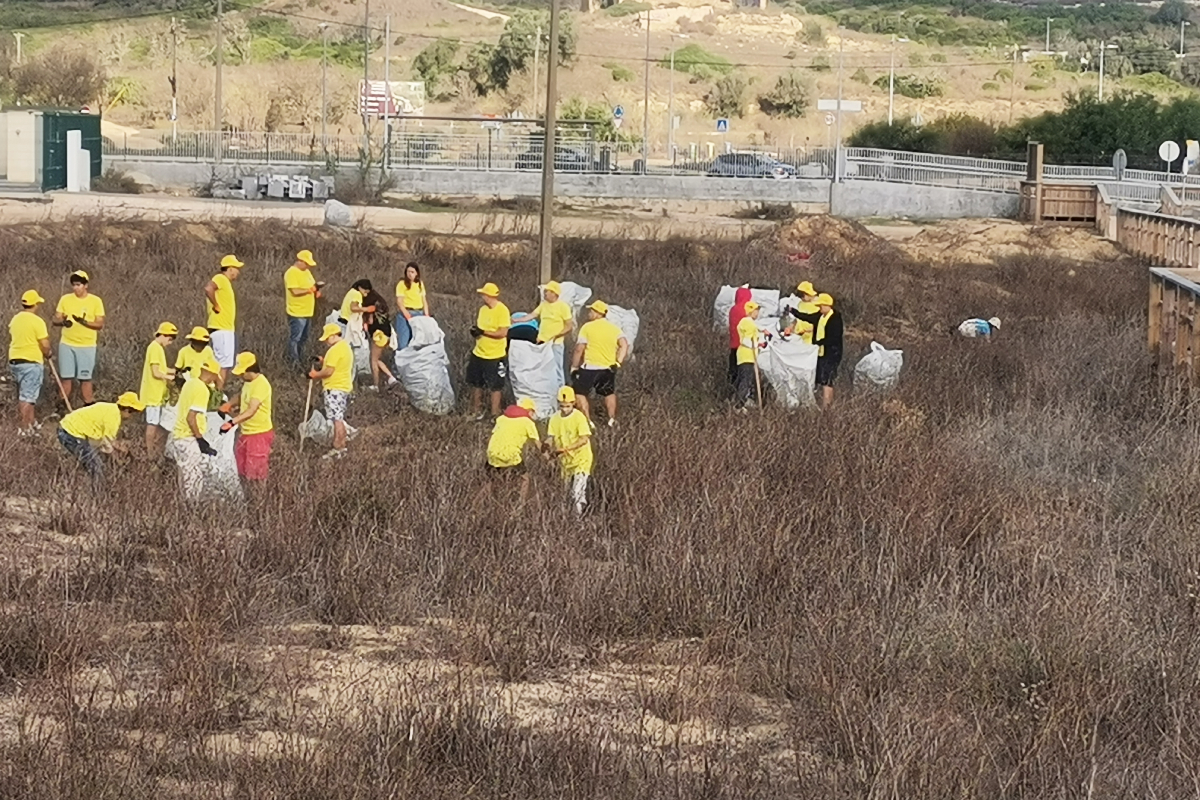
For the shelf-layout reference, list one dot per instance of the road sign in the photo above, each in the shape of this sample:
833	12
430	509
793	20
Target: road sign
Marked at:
1168	151
619	112
849	106
722	125
617	121
1119	162
829	119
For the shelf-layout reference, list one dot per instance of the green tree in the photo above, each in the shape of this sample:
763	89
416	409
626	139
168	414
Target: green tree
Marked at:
62	77
515	50
789	98
1172	12
436	62
725	97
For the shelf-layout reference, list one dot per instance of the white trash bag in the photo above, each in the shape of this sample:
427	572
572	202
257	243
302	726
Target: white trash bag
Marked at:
533	374
424	368
319	430
425	331
767	299
879	369
978	328
789	365
220	471
627	320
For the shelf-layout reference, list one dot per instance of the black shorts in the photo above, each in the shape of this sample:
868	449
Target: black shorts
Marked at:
382	327
506	472
604	381
486	373
827	370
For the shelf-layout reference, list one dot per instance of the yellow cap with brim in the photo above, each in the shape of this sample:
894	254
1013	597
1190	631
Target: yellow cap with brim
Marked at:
751	306
600	307
806	287
306	257
825	300
210	365
243	362
566	395
131	400
380	339
329	331
167	329
231	261
31	298
489	290
199	334
554	286
526	404
80	275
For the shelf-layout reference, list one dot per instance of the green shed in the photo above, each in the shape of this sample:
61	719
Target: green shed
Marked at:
33	146
55	125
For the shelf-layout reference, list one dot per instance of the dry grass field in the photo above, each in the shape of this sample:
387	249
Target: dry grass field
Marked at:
981	585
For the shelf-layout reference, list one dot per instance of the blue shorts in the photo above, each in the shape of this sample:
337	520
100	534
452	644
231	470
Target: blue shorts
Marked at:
29	381
76	363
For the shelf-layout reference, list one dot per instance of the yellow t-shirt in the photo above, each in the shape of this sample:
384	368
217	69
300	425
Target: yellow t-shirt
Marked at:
192	397
746	329
305	305
805	329
566	431
601	338
227	302
26	330
508	439
554	318
257	389
188	359
341	358
492	319
89	307
411	298
154	391
98	422
353	296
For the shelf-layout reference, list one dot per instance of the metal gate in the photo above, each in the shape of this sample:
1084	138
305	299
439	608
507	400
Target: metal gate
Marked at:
55	125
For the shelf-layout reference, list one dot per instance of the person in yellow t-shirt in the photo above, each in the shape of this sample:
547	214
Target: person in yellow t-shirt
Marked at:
301	290
747	357
86	432
253	413
569	439
81	316
28	349
486	368
188	447
513	430
555	323
411	301
600	349
198	350
337	378
155	390
221	303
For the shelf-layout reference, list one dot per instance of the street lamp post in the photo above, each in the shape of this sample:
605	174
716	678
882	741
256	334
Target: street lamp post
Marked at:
1048	21
324	85
1183	23
1103	47
892	77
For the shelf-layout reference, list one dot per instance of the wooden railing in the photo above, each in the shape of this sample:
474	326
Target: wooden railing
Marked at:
1173	329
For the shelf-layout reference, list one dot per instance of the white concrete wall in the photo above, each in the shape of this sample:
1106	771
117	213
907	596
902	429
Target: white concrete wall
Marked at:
902	200
3	145
24	153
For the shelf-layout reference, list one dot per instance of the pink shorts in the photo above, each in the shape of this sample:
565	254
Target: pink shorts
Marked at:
253	455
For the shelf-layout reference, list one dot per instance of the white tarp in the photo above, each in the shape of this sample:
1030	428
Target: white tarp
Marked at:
533	373
767	299
424	369
789	365
627	320
319	430
220	474
879	368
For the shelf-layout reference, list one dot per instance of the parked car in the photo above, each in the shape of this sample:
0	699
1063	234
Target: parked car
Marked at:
566	159
750	165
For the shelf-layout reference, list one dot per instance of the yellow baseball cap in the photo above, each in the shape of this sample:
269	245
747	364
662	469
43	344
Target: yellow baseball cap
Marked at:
167	329
211	365
31	298
244	361
751	306
554	286
526	404
131	400
80	274
199	334
806	287
306	257
824	300
330	331
489	290
231	261
566	395
380	339
600	307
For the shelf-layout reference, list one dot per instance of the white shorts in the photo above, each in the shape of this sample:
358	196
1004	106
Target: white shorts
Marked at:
224	345
153	415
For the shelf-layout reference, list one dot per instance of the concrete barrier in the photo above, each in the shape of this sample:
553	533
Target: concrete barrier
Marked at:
883	199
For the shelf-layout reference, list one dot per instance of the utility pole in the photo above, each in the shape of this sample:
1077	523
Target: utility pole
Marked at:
1103	47
174	83
892	82
537	56
1048	21
366	92
387	83
18	36
324	85
646	101
545	236
671	109
219	99
1183	23
1012	86
837	151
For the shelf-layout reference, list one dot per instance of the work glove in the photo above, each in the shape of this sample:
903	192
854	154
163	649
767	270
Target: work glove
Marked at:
205	448
82	320
368	309
615	366
476	332
66	323
227	427
574	375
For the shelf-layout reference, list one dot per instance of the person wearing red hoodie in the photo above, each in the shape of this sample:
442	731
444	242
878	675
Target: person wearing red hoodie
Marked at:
513	430
736	315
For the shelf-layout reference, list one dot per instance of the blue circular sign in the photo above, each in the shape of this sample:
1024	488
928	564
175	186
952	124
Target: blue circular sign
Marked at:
619	112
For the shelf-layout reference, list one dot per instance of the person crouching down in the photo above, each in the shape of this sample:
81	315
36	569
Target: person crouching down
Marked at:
89	431
188	447
505	451
569	439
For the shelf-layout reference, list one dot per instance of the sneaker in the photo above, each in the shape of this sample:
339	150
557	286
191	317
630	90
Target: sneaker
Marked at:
372	388
24	432
392	382
612	423
333	455
592	425
481	416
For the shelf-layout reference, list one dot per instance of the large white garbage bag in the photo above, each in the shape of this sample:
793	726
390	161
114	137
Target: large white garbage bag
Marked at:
424	368
789	365
319	430
880	368
220	474
627	320
767	299
534	374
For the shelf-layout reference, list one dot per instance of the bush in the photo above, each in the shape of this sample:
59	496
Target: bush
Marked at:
620	73
990	86
62	77
860	76
114	181
1035	87
436	62
626	9
938	58
813	34
725	99
908	85
789	98
820	63
695	60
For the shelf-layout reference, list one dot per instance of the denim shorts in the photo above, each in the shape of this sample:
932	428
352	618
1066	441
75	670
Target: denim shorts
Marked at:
29	381
76	363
